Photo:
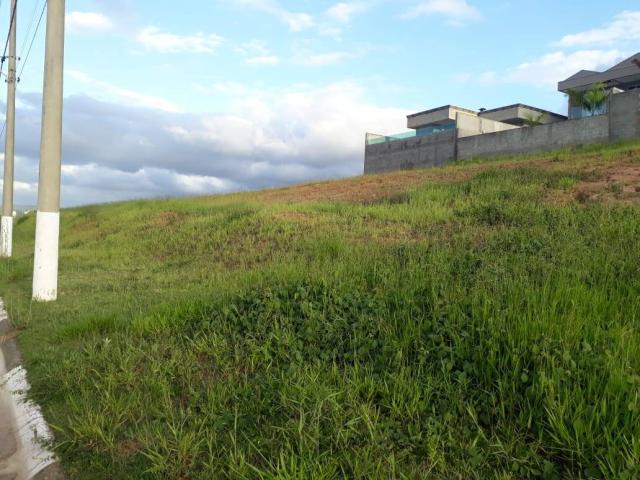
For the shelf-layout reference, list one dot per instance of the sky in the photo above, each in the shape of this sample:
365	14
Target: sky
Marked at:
166	98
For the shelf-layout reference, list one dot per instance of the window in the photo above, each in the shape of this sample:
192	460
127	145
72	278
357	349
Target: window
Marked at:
582	112
430	130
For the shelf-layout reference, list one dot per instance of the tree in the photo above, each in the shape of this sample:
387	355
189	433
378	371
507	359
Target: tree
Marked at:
531	120
591	100
576	97
595	98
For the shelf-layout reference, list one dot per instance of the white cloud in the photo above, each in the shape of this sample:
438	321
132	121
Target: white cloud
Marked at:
257	53
330	30
323	59
225	88
254	47
154	39
88	22
340	14
146	180
296	21
199	184
115	92
611	43
321	127
625	27
115	151
329	23
263	60
456	11
25	188
343	12
549	69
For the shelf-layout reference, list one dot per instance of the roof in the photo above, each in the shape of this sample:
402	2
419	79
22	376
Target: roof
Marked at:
437	116
444	107
581	74
625	74
519	113
626	63
522	105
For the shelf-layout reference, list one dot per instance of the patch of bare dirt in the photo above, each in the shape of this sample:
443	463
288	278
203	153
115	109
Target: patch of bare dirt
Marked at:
610	183
10	335
384	187
129	448
166	219
366	189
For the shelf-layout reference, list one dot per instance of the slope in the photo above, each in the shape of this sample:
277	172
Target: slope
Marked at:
474	321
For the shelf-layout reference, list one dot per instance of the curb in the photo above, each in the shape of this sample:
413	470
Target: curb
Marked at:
23	429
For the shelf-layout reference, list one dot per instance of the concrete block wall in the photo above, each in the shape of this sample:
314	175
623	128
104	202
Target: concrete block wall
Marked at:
415	152
624	115
529	139
622	122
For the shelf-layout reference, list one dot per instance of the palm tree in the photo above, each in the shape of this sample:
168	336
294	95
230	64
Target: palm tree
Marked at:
591	100
596	98
531	120
576	97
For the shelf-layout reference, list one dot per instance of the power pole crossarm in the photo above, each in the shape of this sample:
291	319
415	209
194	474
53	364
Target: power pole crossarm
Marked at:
45	267
6	229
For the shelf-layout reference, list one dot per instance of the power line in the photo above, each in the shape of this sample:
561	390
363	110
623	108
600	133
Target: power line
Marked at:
35	33
28	31
4	54
26	59
6	44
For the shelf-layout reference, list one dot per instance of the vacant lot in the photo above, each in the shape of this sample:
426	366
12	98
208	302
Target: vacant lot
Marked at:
476	321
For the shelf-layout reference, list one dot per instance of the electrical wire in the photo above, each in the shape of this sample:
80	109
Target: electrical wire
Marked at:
4	54
6	43
28	31
33	39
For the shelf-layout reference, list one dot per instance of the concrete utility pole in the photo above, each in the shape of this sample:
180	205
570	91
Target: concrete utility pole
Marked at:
6	229
45	266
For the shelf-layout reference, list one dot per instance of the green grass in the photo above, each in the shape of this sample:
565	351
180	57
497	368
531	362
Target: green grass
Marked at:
469	328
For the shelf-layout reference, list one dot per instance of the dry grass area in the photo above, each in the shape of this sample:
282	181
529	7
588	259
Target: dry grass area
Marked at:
359	189
606	178
475	321
619	182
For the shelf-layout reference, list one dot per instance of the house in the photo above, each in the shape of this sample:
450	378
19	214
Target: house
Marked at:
449	133
467	122
623	77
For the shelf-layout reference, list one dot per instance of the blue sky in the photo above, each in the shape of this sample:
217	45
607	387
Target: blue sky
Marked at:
210	96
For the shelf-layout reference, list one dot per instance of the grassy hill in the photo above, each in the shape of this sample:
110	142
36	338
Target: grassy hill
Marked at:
475	321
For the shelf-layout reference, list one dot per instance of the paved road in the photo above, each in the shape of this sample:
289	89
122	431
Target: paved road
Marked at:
21	425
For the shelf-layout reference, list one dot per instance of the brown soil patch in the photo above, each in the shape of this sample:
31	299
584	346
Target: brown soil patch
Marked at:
606	173
166	219
366	189
129	448
84	226
10	335
611	183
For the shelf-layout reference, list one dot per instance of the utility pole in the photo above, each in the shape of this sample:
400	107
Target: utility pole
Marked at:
6	229
45	263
